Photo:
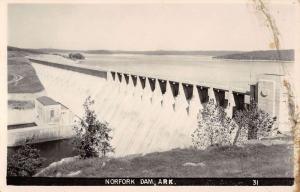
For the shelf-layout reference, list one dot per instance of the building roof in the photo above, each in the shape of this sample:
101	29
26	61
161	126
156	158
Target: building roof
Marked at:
44	100
63	106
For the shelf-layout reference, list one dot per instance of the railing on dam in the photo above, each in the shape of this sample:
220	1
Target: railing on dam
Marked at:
229	99
78	69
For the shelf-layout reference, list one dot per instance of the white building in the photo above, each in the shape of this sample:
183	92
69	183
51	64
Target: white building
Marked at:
51	112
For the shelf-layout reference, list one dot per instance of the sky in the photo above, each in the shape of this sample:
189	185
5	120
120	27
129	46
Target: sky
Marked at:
154	26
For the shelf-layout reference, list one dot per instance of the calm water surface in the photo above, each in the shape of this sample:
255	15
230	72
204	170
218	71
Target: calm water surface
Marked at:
52	150
194	69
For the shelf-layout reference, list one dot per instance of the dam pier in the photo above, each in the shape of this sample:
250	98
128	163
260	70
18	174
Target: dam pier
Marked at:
189	96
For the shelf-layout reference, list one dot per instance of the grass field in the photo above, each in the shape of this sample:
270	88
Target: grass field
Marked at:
10	77
249	161
13	104
19	65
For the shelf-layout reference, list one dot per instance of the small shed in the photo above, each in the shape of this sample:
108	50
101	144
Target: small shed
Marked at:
48	110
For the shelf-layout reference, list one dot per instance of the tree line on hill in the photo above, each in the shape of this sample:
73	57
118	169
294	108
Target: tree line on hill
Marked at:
280	55
274	55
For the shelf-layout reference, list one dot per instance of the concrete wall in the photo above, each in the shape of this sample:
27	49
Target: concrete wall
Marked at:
39	134
273	98
20	116
149	114
145	115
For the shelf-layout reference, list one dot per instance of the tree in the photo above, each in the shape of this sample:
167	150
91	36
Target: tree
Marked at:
76	56
92	136
214	127
254	121
25	161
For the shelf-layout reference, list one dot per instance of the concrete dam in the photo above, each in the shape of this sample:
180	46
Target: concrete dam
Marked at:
150	114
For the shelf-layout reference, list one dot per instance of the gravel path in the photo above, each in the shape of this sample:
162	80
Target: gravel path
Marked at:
15	79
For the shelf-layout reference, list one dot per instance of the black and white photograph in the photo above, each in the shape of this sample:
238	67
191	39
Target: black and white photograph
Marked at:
155	93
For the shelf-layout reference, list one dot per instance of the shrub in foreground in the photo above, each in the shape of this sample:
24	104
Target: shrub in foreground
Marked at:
214	127
92	136
24	162
256	122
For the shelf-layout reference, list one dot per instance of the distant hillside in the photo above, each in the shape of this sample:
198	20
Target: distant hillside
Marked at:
281	55
24	51
157	52
164	52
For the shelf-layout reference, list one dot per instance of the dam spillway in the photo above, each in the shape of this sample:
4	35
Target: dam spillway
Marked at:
147	114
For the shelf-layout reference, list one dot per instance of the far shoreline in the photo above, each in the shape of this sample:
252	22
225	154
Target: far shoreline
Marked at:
255	60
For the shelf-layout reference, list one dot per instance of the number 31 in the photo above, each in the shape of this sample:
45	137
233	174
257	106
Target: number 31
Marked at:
255	182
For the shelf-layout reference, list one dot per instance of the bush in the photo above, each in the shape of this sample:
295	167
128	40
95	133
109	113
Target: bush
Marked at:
92	137
214	127
76	56
254	122
25	162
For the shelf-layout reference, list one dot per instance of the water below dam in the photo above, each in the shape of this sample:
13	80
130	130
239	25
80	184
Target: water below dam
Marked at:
52	151
140	122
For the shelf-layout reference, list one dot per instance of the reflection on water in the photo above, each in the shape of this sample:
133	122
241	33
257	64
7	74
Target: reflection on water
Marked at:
52	150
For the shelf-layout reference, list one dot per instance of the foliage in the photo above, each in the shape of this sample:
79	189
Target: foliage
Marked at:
76	56
25	162
256	122
92	136
214	127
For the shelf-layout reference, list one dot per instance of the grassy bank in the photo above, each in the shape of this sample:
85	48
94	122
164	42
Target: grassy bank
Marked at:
249	161
19	65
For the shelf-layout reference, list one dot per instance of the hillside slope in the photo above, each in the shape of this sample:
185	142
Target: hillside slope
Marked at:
19	66
154	52
281	55
231	161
